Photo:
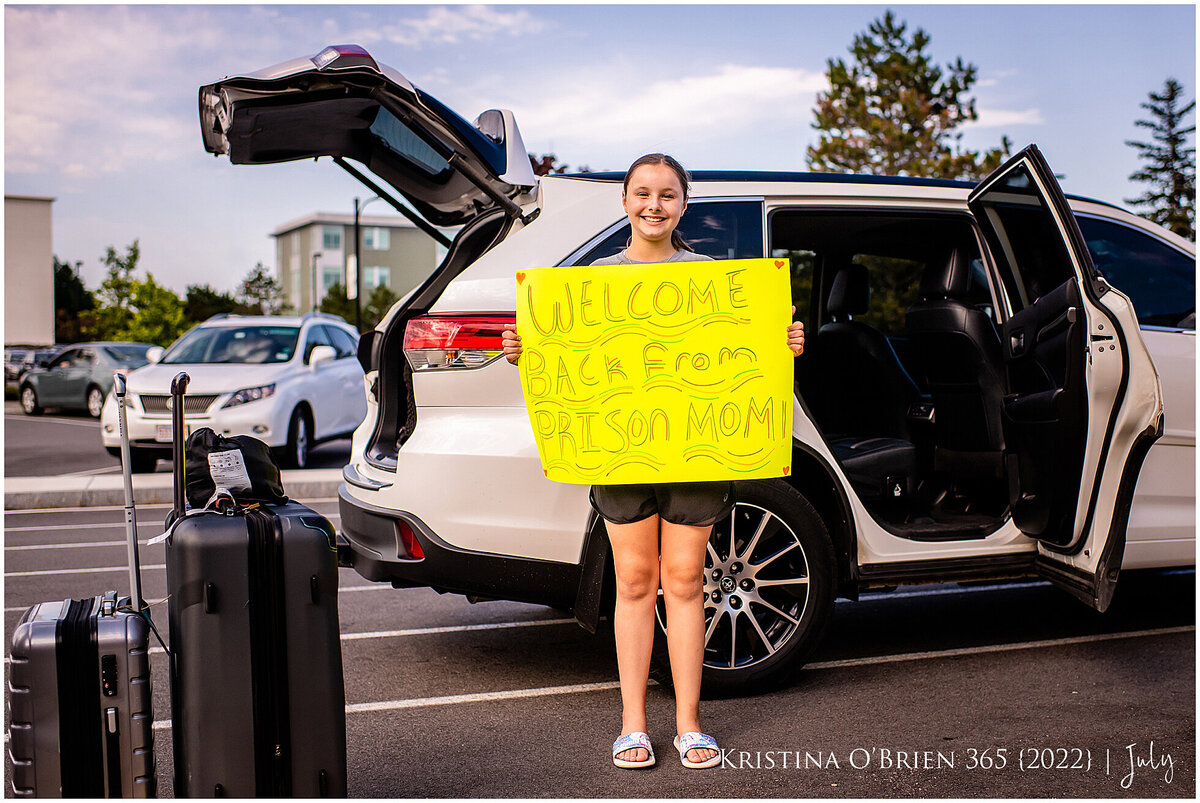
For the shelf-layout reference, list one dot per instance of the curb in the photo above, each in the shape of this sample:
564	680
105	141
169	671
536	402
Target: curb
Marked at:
36	493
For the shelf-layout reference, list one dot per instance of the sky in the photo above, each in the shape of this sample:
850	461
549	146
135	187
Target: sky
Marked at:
100	102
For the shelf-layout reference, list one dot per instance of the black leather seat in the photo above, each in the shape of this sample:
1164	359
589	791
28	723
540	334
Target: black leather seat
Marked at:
865	394
959	356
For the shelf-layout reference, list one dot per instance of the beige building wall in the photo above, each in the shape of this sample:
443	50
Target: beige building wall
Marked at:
28	271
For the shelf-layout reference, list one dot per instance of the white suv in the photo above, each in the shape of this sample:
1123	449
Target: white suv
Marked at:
291	382
976	401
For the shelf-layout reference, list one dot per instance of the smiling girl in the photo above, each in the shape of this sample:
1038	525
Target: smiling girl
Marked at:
659	533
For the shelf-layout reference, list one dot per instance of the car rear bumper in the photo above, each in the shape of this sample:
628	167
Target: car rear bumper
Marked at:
378	553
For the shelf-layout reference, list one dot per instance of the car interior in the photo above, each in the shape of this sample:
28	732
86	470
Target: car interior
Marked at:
904	372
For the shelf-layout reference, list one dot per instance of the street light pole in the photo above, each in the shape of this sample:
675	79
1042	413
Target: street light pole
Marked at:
358	261
316	255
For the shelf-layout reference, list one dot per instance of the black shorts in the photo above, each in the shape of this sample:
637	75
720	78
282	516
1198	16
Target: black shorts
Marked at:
696	504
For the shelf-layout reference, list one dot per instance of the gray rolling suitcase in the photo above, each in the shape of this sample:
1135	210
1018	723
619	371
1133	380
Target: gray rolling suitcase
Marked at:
79	686
257	696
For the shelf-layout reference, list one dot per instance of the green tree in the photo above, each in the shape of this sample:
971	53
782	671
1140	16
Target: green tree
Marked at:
378	303
133	309
201	302
1169	164
892	111
71	298
260	293
336	303
548	164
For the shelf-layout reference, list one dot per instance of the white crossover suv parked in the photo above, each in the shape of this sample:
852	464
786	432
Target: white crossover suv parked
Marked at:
978	398
291	382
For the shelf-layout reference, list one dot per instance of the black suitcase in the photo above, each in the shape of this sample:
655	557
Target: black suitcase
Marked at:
79	687
82	715
257	696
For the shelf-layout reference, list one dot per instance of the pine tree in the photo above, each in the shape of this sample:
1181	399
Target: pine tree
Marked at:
892	111
1169	165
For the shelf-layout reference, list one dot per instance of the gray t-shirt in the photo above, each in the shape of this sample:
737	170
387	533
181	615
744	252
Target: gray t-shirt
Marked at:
681	255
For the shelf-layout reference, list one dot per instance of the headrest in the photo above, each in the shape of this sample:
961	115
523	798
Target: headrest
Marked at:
850	293
948	278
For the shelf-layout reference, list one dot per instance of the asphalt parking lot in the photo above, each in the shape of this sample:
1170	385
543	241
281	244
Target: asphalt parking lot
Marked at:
911	695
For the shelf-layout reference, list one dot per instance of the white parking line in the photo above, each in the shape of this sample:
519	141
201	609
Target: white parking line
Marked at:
514	694
91	508
90	471
992	648
94	425
79	545
95	525
94	570
426	631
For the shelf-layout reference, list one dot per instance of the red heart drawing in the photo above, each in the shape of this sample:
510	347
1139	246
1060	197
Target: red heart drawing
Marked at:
787	470
779	263
520	276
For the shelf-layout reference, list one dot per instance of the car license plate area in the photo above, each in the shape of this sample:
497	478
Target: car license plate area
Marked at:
162	433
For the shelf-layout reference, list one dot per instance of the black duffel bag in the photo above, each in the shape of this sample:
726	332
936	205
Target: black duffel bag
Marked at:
241	465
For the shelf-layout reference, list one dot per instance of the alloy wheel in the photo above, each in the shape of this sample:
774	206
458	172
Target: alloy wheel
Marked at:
95	402
756	588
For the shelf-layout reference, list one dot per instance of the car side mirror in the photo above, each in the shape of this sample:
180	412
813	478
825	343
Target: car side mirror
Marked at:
154	354
321	354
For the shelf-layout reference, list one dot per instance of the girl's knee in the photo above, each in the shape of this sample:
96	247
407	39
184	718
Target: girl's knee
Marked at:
637	584
685	583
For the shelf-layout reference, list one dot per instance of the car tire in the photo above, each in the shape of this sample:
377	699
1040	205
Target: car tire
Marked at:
758	636
299	440
141	461
29	401
95	401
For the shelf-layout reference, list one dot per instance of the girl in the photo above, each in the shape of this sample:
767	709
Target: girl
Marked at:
659	533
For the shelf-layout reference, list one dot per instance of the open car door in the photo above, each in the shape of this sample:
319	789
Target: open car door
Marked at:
1084	403
343	104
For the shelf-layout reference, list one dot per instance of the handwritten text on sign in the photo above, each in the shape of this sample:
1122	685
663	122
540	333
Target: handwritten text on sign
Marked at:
675	372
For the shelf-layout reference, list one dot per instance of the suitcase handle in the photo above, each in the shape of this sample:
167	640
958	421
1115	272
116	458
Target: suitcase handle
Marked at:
178	389
135	567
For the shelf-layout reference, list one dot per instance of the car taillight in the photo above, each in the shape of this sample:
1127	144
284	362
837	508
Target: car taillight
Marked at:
443	342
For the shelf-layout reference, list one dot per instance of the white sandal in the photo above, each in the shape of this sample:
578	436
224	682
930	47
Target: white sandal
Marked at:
632	741
693	740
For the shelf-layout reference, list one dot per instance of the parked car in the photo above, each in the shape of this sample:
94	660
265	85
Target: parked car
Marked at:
976	401
78	377
291	382
14	357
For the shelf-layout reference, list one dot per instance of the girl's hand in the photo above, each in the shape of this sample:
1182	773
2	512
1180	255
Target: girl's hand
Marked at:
512	344
796	336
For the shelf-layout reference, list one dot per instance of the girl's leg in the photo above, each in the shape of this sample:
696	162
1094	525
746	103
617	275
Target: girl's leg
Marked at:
682	575
635	560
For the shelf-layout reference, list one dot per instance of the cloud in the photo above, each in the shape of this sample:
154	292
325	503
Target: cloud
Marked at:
594	106
454	25
90	91
1003	118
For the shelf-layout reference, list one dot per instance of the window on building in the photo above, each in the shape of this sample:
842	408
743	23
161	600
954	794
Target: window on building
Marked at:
330	275
377	238
375	276
332	238
295	242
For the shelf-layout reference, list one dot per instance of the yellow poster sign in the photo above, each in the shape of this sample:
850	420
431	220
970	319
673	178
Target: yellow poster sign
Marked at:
673	372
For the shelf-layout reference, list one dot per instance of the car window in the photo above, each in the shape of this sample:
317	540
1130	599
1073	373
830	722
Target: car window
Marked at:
895	249
316	337
234	344
343	342
127	353
1159	279
65	359
719	229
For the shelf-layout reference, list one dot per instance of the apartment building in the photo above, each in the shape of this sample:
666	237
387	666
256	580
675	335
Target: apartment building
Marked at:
315	252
